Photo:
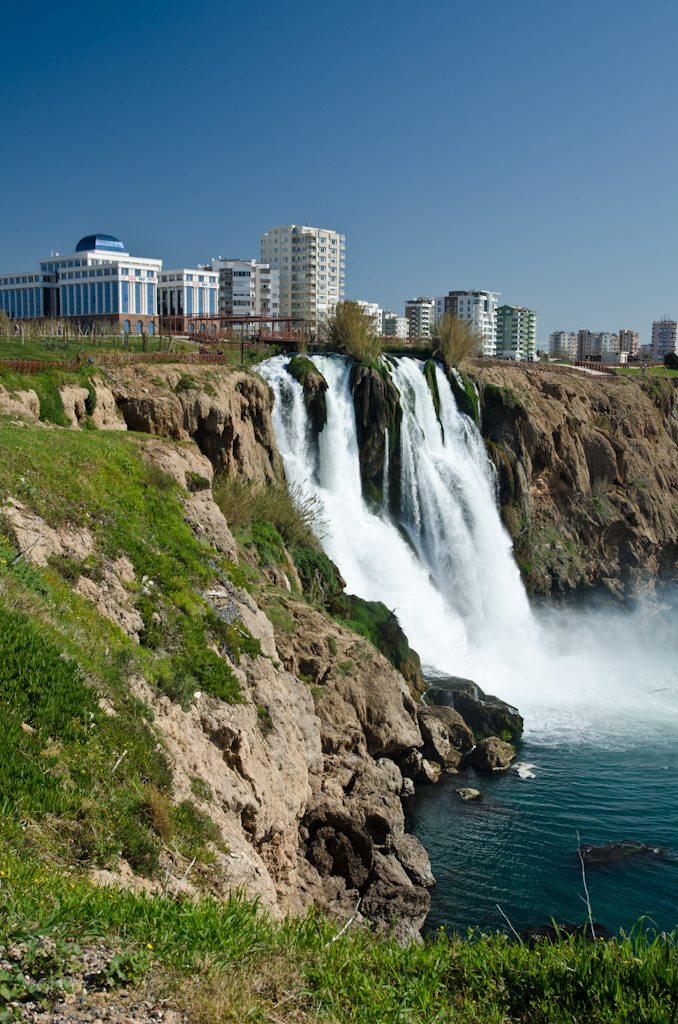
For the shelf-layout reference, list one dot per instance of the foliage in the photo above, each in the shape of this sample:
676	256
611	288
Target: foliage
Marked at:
351	330
314	972
455	340
195	482
671	361
295	515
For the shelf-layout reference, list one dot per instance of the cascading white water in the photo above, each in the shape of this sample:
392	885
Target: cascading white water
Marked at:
461	584
456	589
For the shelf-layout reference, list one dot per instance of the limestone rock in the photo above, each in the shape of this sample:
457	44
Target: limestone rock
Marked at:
446	735
228	414
37	541
106	415
396	910
74	399
468	794
387	868
492	754
111	599
20	403
413	857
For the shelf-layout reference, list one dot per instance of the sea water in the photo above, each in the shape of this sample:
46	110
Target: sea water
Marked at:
598	688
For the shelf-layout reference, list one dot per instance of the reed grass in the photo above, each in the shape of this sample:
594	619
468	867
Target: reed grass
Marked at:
297	516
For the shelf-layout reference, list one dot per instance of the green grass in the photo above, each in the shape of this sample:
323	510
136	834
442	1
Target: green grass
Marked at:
224	947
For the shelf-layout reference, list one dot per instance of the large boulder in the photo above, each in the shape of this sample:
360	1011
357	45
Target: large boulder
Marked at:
412	856
314	387
446	735
484	714
414	765
492	754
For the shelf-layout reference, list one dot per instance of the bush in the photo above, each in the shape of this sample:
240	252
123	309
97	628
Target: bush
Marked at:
455	340
295	515
671	361
351	330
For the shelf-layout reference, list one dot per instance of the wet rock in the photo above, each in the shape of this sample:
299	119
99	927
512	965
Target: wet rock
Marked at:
446	735
492	754
314	387
620	850
468	794
483	713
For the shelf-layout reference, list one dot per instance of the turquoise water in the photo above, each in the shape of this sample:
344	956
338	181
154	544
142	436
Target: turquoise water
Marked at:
605	751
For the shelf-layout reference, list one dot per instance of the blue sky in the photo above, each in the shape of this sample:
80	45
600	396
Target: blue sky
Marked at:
527	147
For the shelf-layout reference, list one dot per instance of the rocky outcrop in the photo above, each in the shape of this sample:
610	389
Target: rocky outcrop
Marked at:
492	754
484	714
446	735
20	403
588	478
227	414
377	410
36	541
314	387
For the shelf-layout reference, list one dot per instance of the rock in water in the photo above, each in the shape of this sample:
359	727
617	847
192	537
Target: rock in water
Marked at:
446	735
492	754
621	849
469	794
484	714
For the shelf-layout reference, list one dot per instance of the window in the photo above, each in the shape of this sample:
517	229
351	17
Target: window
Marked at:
189	277
99	273
189	301
77	263
77	273
70	263
201	301
149	299
201	278
171	277
70	275
100	296
137	273
124	286
43	266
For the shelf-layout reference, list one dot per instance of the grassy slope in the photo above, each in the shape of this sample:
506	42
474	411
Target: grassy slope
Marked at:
63	810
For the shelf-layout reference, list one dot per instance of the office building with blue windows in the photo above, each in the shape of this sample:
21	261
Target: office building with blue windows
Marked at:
184	293
100	281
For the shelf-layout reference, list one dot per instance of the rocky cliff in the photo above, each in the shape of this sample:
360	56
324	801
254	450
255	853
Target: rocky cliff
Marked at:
587	474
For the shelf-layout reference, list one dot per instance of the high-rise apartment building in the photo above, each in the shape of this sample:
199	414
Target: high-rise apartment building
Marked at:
372	309
247	288
591	345
481	308
310	262
516	332
394	326
629	341
563	345
663	338
420	316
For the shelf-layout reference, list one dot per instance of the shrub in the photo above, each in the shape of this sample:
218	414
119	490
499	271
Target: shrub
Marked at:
295	515
455	340
351	330
195	482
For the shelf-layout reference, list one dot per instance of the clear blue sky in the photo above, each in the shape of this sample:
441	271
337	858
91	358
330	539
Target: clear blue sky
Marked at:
527	146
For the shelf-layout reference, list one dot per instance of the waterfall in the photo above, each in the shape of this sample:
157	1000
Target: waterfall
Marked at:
454	586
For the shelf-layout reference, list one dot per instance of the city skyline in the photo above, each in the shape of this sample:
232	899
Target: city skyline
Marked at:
545	171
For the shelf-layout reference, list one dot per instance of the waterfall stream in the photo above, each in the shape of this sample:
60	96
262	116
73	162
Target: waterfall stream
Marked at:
598	687
454	586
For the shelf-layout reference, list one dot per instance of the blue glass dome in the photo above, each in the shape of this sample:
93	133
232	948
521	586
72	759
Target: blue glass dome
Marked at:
106	242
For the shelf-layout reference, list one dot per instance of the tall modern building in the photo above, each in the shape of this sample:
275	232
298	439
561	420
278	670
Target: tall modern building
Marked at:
100	281
420	315
311	264
591	345
629	341
663	338
247	288
481	308
516	332
563	345
394	326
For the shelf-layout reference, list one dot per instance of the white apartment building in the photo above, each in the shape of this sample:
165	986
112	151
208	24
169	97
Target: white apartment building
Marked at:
99	281
187	292
394	326
420	316
372	309
563	345
591	345
663	338
247	288
310	262
478	306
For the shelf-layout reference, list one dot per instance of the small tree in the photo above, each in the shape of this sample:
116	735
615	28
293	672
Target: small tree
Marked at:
671	361
455	340
352	330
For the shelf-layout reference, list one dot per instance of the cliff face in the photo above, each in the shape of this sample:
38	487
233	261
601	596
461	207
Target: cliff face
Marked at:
227	414
588	477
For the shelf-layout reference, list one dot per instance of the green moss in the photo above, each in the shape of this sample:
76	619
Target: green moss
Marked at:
195	482
432	381
465	394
